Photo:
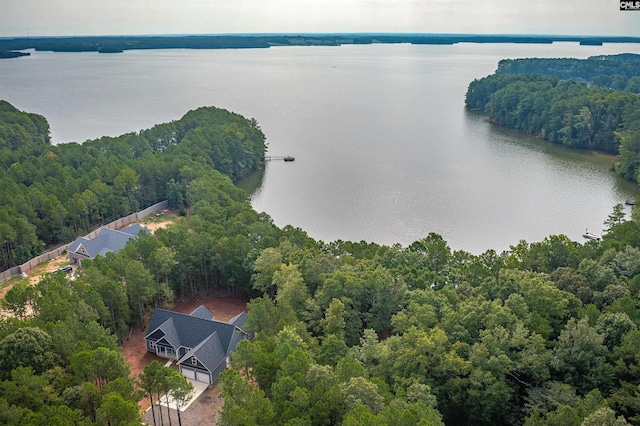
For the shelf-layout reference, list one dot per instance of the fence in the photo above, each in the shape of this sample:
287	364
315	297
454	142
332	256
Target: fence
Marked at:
116	224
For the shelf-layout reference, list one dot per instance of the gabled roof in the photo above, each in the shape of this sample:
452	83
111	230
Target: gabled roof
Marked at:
239	320
134	229
209	352
106	241
192	330
202	312
170	334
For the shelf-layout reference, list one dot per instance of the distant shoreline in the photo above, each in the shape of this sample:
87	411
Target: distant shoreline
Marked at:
116	44
7	54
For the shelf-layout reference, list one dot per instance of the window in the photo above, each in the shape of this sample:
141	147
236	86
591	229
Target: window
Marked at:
194	361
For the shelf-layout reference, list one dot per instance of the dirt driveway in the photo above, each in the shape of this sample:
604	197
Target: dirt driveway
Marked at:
205	411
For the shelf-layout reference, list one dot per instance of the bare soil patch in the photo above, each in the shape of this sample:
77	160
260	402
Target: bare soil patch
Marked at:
159	220
34	274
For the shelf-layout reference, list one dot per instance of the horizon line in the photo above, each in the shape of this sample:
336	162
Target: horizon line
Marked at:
310	34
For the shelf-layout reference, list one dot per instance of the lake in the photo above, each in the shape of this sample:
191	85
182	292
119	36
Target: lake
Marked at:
384	149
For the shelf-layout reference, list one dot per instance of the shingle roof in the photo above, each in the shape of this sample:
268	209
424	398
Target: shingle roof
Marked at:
209	352
202	312
170	333
107	240
192	330
239	320
134	229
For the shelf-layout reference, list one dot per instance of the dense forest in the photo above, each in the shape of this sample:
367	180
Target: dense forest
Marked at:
114	44
619	72
50	194
589	104
347	333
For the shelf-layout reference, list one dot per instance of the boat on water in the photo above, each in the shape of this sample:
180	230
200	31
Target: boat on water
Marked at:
289	158
591	236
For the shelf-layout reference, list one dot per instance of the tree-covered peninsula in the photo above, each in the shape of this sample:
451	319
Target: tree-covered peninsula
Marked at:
347	333
8	54
50	194
590	104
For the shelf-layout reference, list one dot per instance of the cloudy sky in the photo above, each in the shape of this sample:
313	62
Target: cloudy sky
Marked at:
123	17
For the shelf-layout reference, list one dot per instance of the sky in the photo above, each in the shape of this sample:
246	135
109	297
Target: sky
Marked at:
19	18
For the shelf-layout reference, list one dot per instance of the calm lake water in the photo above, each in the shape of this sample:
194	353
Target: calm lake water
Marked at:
384	148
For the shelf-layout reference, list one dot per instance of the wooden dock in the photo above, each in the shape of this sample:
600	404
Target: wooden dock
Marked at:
278	157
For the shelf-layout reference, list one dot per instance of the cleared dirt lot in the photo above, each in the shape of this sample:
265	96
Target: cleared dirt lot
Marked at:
34	274
224	308
205	410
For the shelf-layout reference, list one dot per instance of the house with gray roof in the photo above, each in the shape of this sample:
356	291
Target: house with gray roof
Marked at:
200	344
106	241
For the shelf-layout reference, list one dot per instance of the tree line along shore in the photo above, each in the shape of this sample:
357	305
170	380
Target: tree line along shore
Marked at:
115	44
592	103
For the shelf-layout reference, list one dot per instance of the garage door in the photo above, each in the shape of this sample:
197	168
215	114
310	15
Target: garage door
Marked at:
202	377
188	373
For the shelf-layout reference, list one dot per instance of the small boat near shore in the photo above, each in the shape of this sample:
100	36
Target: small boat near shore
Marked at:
591	236
630	202
289	158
